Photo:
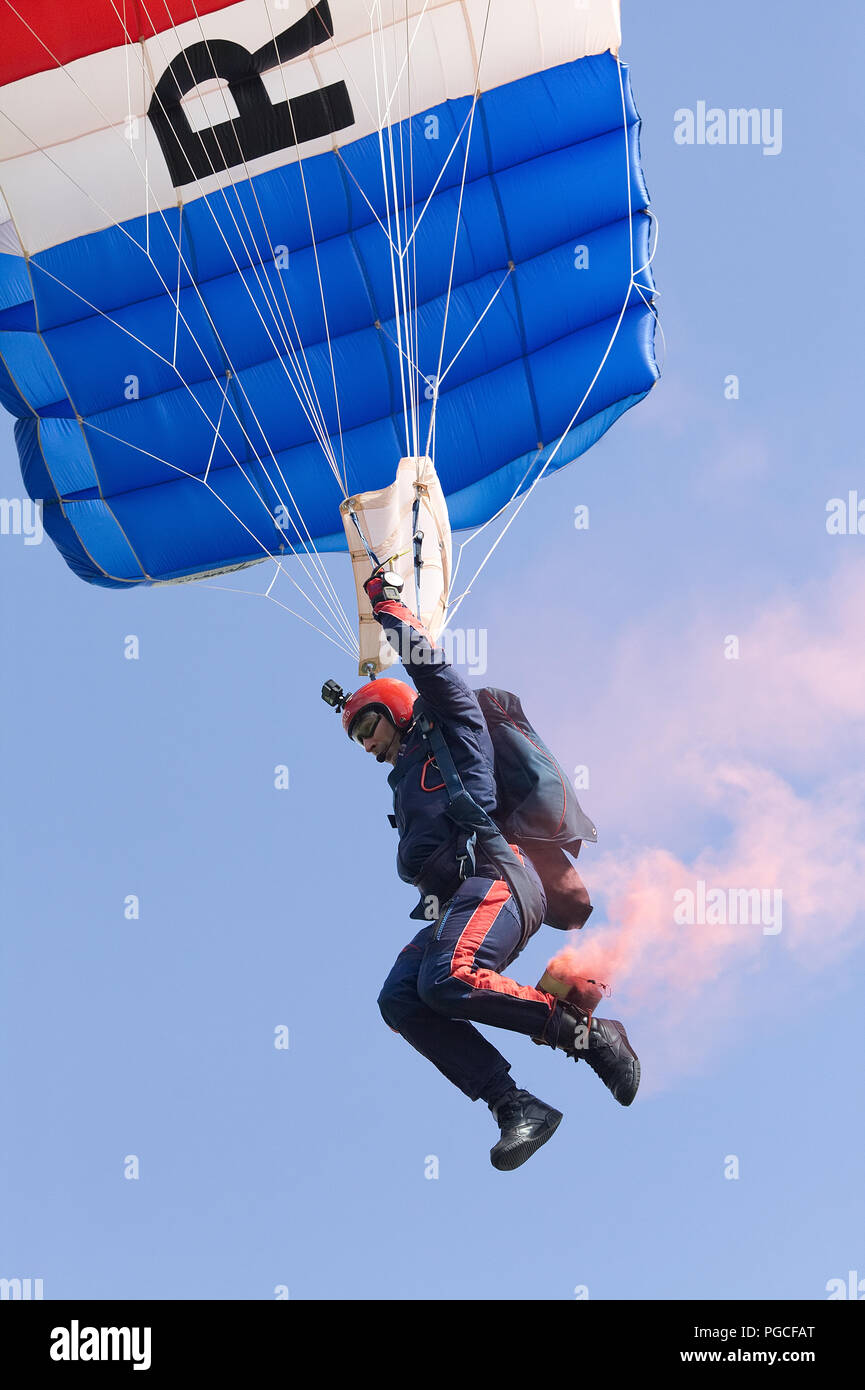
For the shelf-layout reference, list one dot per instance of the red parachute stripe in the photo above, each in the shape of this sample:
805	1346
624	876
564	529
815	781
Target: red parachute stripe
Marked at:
71	29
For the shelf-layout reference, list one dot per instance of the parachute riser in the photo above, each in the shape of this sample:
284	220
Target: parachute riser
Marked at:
408	523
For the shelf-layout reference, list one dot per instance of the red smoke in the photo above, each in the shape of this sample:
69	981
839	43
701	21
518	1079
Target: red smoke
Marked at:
766	752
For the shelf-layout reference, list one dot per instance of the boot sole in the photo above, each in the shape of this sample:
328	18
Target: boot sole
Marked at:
520	1153
620	1028
636	1083
637	1069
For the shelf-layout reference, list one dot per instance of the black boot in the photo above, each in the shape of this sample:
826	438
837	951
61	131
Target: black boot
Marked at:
526	1123
603	1043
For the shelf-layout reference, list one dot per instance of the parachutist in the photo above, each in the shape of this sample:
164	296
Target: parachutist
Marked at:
452	801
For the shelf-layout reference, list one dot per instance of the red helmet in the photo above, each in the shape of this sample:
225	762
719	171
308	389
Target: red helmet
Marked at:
384	696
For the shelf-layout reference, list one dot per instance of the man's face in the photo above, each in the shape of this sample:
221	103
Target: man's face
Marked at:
384	741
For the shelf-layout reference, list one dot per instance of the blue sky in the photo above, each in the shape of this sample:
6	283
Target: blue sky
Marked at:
305	1168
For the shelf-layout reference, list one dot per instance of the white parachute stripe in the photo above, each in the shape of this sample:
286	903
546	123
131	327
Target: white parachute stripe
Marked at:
58	117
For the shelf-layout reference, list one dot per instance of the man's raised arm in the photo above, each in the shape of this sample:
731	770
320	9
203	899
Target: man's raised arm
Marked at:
443	689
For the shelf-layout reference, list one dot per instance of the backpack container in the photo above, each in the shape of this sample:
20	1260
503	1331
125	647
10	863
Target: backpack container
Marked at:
537	807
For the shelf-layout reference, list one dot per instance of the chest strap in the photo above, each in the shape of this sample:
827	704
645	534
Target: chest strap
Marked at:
477	825
462	806
480	827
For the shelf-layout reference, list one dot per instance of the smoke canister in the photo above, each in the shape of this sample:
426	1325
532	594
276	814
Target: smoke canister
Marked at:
584	994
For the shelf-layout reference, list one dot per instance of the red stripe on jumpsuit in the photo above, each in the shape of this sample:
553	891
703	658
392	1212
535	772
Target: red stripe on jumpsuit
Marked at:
472	938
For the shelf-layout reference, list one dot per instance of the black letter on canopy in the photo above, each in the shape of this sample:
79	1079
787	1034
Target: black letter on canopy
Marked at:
260	127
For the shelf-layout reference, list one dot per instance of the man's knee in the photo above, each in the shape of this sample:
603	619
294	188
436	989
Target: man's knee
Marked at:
442	993
397	1003
388	1008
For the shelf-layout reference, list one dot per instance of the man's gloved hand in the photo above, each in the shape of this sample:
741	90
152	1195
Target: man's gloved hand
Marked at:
383	584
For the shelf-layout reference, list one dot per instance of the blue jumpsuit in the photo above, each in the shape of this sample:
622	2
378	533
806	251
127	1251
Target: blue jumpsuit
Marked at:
450	973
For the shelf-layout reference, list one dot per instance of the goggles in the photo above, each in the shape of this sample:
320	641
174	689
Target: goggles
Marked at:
365	724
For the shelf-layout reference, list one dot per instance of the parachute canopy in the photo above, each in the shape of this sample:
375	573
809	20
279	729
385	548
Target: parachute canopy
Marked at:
253	255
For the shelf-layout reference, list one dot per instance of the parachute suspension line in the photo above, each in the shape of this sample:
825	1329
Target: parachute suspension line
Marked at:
441	173
357	87
405	307
656	224
177	300
312	231
315	254
340	638
351	175
314	413
315	423
376	120
317	428
631	285
310	553
405	300
393	248
404	292
527	494
192	277
504	280
457	227
126	48
351	652
643	290
432	380
408	297
420	18
218	427
406	354
495	516
412	242
417	536
196	477
310	389
111	221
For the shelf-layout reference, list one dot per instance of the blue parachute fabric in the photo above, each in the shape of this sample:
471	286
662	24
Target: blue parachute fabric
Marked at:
118	393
